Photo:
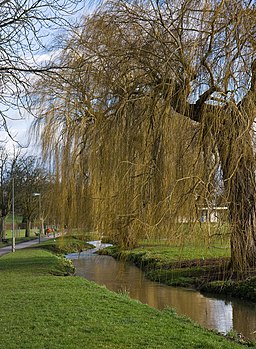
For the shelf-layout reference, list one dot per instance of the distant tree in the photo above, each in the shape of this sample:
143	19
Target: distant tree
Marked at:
29	178
7	165
4	189
26	176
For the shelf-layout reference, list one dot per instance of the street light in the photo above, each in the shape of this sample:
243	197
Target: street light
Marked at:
13	232
40	215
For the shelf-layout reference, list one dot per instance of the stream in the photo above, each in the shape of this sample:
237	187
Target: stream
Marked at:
210	311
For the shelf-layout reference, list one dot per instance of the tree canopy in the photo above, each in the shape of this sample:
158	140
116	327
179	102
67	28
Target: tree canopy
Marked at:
155	118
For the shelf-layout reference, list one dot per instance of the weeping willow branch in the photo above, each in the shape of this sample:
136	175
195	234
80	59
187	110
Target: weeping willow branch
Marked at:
160	100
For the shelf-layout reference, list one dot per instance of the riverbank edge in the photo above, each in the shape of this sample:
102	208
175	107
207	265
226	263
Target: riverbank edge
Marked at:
34	266
203	275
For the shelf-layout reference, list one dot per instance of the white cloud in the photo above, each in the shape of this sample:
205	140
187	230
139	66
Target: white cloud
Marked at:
46	57
18	129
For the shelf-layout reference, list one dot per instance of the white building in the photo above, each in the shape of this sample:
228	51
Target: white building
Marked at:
213	214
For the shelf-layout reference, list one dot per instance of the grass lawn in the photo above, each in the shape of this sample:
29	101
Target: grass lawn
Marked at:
18	240
64	244
19	235
176	253
167	257
40	310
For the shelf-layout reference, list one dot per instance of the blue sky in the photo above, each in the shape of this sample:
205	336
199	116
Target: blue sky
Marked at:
17	126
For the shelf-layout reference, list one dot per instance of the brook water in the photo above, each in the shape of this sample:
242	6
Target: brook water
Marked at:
210	311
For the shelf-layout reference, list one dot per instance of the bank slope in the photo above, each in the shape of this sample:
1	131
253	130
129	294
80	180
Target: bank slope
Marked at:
42	309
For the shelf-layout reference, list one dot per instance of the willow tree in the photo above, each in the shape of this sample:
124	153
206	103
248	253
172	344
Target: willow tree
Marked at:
110	141
162	102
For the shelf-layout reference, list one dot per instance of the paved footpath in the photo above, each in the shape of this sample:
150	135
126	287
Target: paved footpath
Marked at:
8	249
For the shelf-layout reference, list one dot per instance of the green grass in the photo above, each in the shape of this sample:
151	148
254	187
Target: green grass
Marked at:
189	266
40	310
19	233
17	240
64	244
245	289
174	253
194	233
163	256
206	269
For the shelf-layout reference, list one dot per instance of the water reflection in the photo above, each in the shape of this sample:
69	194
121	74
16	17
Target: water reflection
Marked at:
210	312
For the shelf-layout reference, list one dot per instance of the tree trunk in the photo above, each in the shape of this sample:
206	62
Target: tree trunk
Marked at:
28	228
242	213
2	227
235	148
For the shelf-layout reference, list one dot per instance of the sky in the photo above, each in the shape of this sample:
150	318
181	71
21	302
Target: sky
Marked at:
19	130
19	127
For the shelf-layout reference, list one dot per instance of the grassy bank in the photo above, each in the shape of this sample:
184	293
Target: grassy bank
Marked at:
41	310
64	244
189	266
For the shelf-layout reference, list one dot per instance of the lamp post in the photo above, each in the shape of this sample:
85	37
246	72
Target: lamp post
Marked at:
41	231
13	232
